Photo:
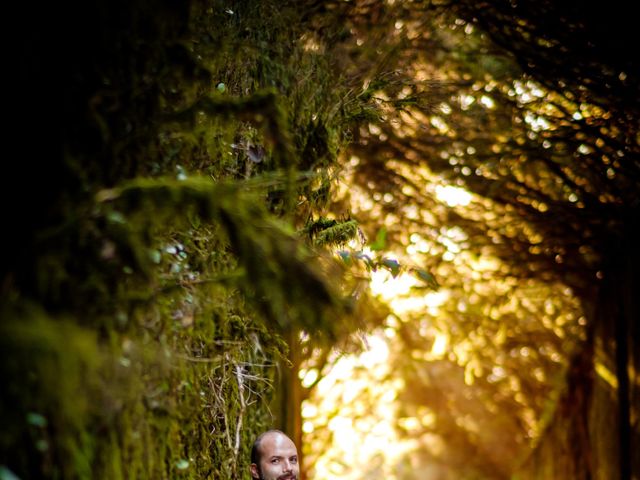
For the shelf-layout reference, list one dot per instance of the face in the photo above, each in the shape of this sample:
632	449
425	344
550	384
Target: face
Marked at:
278	459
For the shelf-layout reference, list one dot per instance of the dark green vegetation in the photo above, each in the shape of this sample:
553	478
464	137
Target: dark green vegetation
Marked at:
166	153
172	165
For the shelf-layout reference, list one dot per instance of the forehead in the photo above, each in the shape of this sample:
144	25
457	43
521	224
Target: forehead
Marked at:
277	445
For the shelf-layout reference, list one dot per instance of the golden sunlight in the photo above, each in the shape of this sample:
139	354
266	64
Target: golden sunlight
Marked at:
356	404
453	196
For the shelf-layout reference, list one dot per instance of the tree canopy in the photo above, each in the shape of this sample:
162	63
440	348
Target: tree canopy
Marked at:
505	160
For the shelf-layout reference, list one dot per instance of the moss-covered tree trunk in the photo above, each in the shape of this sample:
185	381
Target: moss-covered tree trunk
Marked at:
151	264
288	397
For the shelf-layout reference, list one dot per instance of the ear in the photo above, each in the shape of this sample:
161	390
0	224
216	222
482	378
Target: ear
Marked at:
254	471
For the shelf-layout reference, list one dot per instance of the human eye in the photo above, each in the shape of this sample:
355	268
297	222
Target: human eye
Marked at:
275	461
293	459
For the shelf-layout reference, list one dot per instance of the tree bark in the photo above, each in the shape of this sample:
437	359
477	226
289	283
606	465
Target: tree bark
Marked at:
290	395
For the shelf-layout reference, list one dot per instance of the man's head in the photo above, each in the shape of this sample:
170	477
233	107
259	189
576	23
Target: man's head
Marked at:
274	457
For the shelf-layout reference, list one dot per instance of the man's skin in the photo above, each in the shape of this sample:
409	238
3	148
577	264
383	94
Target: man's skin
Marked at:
277	458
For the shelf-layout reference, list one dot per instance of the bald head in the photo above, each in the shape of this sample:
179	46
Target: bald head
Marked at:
274	457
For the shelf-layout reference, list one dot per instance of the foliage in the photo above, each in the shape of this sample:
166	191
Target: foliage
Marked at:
511	173
170	251
150	279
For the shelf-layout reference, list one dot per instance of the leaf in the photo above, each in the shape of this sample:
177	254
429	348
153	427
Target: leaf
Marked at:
426	277
381	240
36	419
345	256
6	474
256	153
366	259
42	445
116	217
155	256
392	265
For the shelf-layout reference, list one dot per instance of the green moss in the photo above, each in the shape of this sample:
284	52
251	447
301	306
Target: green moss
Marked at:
152	284
331	232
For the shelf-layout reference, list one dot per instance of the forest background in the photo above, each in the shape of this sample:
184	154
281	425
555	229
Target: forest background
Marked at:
198	194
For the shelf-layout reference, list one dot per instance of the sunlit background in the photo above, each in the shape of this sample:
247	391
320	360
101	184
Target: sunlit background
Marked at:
405	233
458	379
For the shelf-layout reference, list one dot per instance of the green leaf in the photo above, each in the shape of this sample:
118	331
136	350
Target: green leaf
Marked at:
426	277
42	445
6	474
381	240
392	265
155	256
36	419
366	259
345	256
116	217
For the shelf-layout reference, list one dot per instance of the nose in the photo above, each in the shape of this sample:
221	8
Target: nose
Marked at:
287	466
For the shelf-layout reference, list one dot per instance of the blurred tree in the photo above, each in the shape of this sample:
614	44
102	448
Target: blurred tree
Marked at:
508	132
